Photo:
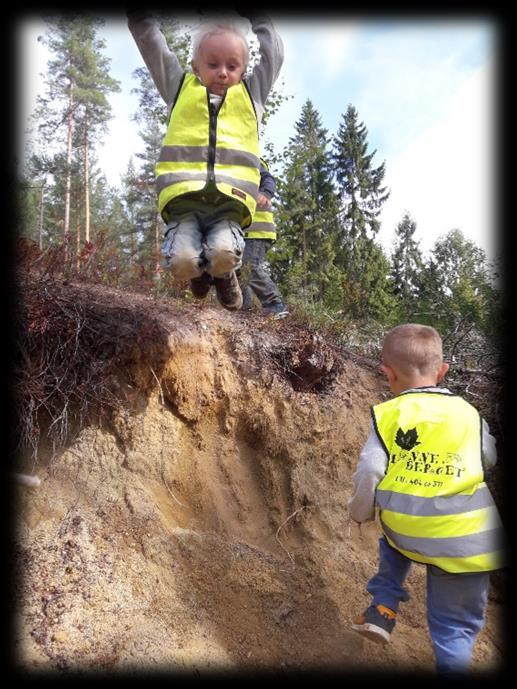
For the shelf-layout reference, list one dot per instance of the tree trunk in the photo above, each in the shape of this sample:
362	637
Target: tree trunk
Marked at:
304	266
40	224
132	244
86	186
157	245
77	239
68	183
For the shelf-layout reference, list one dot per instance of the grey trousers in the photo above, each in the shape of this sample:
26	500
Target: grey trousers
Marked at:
253	276
202	236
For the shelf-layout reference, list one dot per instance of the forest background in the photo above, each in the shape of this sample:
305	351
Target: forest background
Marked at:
328	261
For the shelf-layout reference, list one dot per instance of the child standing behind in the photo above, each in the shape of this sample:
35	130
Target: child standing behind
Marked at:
259	236
423	467
208	169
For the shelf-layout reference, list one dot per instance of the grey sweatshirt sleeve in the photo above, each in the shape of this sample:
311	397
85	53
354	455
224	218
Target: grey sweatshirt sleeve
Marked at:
266	71
488	447
162	63
370	470
166	71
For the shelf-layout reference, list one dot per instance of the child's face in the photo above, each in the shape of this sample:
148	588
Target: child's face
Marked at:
220	62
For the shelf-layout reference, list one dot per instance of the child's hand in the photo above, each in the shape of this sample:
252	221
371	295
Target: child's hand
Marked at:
357	524
263	203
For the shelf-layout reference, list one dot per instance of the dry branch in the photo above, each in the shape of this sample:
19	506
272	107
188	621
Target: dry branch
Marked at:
282	525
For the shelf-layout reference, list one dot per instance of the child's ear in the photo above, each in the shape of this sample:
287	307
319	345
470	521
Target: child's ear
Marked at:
194	68
442	371
388	372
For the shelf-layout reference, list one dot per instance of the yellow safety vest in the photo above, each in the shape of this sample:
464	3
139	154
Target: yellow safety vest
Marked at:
434	504
202	147
263	226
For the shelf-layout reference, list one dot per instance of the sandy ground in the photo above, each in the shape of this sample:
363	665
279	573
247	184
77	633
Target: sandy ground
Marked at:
202	529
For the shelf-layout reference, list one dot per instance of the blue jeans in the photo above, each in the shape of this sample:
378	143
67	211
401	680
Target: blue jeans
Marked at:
203	235
455	605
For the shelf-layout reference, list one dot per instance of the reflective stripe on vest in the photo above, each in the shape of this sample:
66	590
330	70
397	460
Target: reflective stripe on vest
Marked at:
434	505
263	226
199	148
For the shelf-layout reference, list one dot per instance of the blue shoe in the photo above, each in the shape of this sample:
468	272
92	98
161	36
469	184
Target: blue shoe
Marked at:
376	623
277	311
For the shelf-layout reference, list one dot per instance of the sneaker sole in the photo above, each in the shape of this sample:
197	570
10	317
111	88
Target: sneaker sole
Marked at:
200	289
372	632
236	306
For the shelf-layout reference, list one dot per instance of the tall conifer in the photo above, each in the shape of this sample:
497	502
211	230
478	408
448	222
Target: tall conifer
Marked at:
361	197
406	268
72	114
308	210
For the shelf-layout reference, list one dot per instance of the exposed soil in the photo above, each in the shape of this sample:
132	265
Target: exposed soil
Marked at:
200	525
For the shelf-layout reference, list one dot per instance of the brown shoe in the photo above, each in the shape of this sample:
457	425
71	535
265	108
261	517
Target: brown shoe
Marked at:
200	286
228	291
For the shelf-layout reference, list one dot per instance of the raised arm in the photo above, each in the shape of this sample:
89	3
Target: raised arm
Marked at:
162	63
266	71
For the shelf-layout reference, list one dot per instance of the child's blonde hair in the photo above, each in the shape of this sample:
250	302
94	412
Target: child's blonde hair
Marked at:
412	349
214	28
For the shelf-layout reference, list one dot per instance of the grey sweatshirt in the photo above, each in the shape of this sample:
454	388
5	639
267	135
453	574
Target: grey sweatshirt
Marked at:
371	469
166	71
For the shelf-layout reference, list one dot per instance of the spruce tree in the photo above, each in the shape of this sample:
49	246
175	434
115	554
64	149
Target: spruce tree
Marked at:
406	269
131	198
307	212
30	204
362	261
359	184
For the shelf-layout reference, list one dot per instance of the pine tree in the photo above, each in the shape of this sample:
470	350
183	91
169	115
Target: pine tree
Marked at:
71	117
93	110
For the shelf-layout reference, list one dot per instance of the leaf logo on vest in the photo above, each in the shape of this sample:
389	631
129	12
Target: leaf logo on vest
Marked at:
424	461
407	440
